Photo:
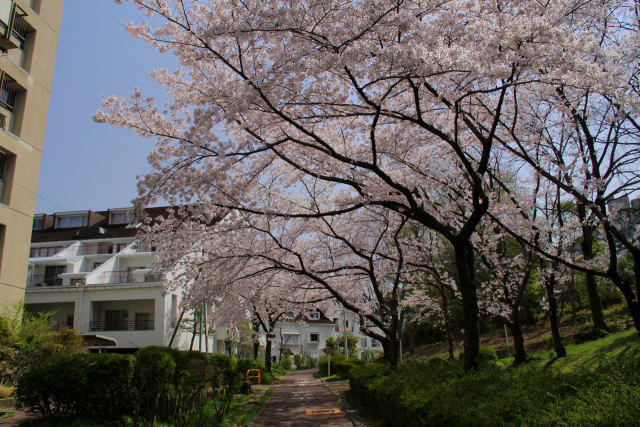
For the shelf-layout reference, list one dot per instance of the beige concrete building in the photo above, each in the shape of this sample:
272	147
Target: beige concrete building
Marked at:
28	41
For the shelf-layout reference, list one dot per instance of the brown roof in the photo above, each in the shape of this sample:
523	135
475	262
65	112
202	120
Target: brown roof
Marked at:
98	228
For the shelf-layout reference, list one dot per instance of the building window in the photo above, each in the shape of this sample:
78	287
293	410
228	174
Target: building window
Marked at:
115	320
144	321
76	282
314	315
336	321
72	221
314	337
290	339
120	217
6	160
374	343
52	273
45	252
288	315
38	223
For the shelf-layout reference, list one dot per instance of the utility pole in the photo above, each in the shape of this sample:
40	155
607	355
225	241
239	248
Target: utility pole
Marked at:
400	330
344	323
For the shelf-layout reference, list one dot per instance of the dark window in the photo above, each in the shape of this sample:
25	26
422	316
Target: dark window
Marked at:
37	223
51	273
314	337
143	322
8	92
115	320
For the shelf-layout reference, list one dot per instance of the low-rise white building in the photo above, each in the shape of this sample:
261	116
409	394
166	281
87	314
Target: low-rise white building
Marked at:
88	269
306	334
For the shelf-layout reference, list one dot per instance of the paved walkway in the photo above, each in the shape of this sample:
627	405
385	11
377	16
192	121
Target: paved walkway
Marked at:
302	400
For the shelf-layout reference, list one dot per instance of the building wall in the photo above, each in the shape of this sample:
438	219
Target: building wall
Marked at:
24	145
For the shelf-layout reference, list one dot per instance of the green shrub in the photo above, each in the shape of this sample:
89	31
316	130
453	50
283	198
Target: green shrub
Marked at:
175	386
285	363
155	370
85	384
339	365
224	379
323	364
244	365
304	362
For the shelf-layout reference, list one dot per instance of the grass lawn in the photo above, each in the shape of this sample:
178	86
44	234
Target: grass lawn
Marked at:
244	408
588	355
598	383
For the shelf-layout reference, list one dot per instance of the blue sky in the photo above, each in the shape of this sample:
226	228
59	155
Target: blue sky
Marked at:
86	165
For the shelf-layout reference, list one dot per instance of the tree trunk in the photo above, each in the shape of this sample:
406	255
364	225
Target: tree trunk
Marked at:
467	287
553	317
206	331
629	297
391	353
175	329
518	339
592	288
256	342
267	353
193	336
447	322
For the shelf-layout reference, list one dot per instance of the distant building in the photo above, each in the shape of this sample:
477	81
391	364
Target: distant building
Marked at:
28	41
625	214
306	334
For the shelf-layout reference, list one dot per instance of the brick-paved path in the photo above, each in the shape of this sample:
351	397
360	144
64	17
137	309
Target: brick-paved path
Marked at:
298	392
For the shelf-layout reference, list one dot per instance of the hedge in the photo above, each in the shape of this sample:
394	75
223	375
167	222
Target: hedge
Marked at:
339	365
157	385
85	384
439	393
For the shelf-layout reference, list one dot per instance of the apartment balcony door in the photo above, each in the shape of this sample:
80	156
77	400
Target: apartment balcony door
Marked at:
51	273
115	320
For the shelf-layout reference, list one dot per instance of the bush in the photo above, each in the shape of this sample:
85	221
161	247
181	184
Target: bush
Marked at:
339	365
154	372
244	365
161	385
86	384
175	386
304	362
224	380
285	363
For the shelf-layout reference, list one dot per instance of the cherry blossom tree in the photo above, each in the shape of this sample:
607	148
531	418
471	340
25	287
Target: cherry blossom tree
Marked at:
396	104
586	126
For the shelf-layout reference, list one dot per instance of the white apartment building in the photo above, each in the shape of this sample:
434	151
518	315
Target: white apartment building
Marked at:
88	269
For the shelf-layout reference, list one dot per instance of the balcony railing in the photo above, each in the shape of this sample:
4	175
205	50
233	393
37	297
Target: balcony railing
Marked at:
99	249
121	325
133	276
37	280
59	326
144	248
